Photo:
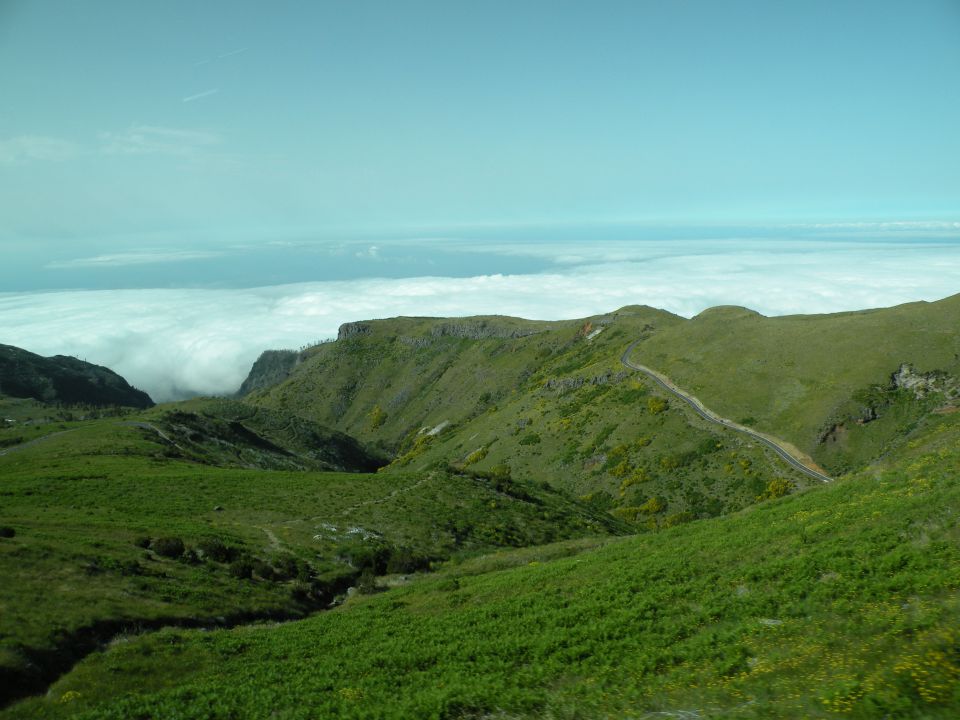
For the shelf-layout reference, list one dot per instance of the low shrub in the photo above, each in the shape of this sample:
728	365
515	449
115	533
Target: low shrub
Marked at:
170	547
216	550
242	568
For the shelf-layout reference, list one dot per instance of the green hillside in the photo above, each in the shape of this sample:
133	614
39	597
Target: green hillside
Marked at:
66	380
513	458
837	602
108	526
819	381
550	400
553	400
224	432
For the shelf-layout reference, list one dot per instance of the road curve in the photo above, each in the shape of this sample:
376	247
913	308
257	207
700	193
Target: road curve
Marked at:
700	409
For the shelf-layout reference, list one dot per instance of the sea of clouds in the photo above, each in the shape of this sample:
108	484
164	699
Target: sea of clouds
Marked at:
175	343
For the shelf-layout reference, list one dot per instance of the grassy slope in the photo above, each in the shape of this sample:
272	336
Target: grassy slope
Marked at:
795	375
78	501
224	432
840	600
554	406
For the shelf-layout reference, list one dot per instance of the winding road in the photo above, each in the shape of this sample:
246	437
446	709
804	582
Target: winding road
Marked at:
796	461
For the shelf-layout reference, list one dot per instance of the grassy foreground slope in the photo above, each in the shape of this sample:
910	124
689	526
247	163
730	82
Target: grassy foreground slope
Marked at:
106	525
812	379
837	602
551	400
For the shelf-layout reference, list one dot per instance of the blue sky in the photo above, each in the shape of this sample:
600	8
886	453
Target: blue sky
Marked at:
397	118
548	159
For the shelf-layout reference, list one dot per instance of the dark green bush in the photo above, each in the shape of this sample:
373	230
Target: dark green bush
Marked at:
263	570
367	583
405	560
286	567
368	556
171	547
242	568
216	550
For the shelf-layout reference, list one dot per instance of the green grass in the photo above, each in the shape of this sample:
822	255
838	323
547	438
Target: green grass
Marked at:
82	502
553	406
836	602
796	375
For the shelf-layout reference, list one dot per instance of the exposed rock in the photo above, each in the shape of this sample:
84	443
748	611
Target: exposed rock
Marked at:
352	329
439	428
564	384
271	368
921	384
480	330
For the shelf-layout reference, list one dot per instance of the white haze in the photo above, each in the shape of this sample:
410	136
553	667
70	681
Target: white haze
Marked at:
177	342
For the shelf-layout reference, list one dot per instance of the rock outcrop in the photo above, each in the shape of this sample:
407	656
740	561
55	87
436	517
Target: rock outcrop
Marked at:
922	384
352	329
271	368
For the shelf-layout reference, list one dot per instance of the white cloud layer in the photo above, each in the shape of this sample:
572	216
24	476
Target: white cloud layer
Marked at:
175	342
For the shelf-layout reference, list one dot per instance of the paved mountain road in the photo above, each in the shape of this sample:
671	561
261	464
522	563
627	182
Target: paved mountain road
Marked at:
800	463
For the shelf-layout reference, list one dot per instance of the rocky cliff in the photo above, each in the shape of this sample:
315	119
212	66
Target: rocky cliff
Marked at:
272	367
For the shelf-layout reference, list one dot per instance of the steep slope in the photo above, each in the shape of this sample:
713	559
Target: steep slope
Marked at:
412	369
839	601
271	368
228	433
66	380
550	400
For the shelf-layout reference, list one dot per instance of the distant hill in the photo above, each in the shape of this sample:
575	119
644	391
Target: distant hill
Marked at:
841	386
552	399
63	379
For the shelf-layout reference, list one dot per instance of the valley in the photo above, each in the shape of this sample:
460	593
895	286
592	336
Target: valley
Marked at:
627	515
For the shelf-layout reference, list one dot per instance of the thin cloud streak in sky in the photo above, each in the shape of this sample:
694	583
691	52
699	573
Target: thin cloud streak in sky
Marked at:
156	140
26	148
145	257
176	342
205	93
232	53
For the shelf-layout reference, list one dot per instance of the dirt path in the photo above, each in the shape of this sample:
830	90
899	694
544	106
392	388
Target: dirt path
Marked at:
389	496
154	428
275	543
35	441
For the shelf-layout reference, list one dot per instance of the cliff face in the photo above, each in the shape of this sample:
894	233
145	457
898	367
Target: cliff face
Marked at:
272	367
63	379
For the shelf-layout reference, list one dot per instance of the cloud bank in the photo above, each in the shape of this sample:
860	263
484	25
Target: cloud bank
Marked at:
177	342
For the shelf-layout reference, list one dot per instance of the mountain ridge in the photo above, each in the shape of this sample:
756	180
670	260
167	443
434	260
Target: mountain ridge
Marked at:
64	379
